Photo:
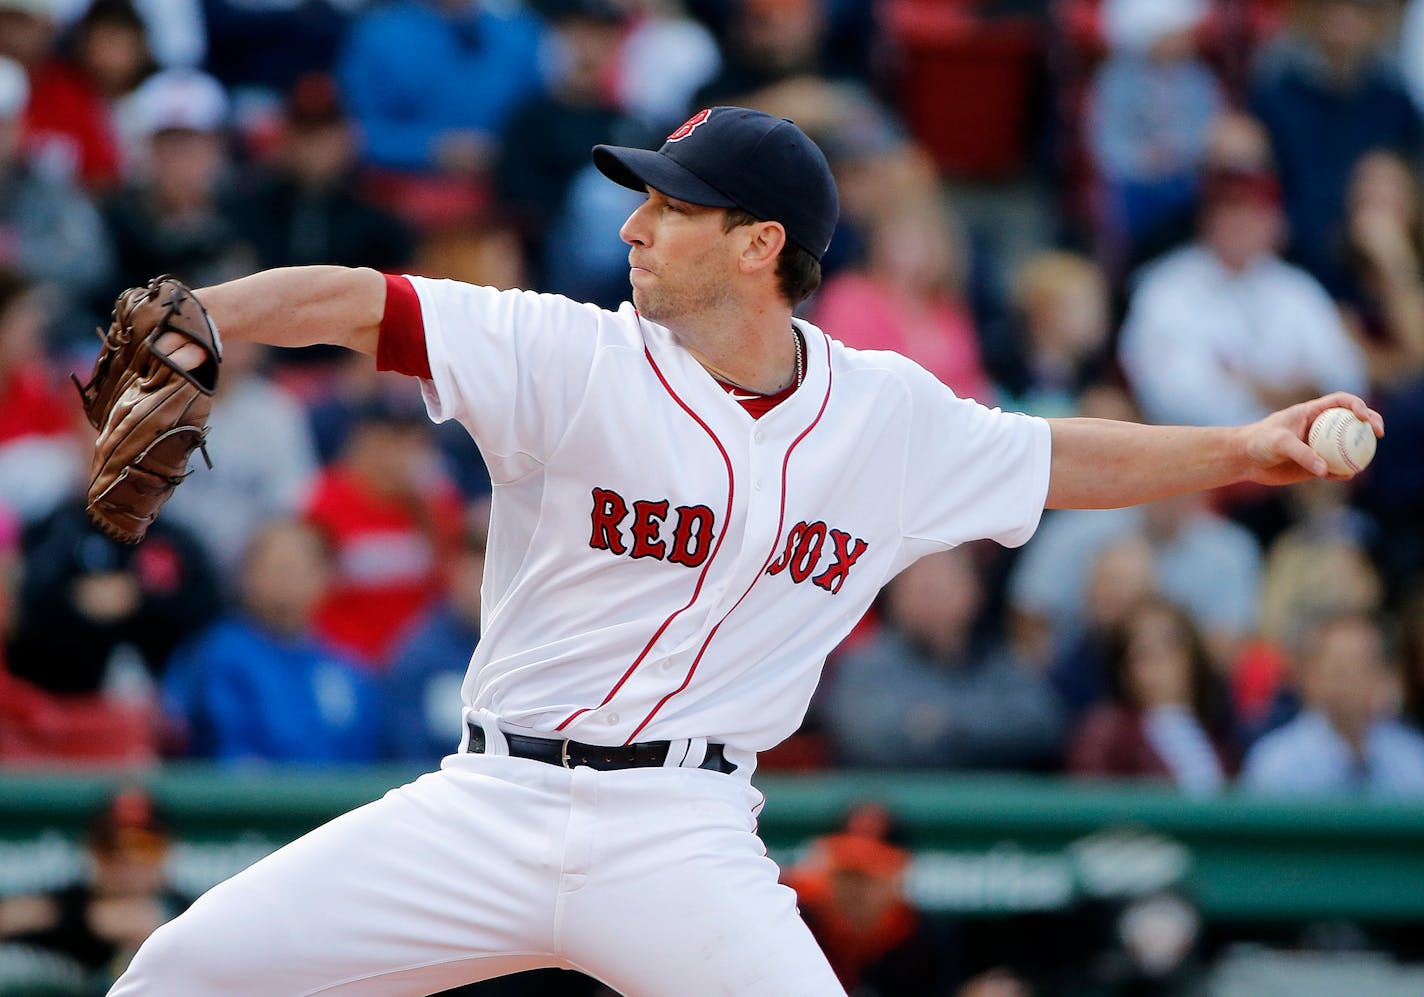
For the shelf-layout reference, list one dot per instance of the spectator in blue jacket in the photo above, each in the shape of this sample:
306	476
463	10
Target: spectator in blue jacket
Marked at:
1151	108
1327	95
421	691
1347	739
431	82
257	685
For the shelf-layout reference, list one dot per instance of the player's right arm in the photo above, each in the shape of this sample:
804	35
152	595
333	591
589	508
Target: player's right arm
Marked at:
297	306
1102	464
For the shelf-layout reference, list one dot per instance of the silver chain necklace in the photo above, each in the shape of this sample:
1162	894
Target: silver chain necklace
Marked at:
800	369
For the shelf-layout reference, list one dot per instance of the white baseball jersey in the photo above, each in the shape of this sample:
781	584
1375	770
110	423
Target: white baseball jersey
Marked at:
662	565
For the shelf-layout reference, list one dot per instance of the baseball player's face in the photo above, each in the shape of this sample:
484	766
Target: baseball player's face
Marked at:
681	261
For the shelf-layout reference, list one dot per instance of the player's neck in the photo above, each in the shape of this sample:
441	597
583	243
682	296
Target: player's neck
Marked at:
756	350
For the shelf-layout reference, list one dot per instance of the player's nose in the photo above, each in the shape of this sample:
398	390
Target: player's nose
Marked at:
634	231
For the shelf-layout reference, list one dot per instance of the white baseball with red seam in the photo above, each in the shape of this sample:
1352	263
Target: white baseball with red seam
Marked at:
1346	442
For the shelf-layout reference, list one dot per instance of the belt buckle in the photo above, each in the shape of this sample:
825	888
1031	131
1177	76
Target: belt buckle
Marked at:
564	753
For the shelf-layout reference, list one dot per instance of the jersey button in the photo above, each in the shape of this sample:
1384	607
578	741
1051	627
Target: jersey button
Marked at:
611	720
756	485
759	436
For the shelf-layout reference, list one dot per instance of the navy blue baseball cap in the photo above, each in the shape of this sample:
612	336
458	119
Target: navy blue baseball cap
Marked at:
732	157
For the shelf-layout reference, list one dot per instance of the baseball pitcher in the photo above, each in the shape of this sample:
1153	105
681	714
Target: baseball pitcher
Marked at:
695	498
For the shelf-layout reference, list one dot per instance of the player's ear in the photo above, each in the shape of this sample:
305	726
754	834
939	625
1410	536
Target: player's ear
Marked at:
763	246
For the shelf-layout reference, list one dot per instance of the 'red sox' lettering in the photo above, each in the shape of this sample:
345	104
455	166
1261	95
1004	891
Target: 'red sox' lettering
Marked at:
637	529
692	532
805	545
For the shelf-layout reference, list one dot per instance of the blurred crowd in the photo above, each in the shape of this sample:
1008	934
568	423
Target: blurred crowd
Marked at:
1179	211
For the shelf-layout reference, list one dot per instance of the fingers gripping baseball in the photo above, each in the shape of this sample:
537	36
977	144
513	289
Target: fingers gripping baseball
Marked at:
1278	446
1342	399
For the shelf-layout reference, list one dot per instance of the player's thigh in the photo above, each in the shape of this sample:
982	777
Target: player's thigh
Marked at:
426	882
688	902
708	926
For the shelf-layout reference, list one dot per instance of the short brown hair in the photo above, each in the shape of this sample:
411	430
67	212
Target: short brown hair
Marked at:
798	273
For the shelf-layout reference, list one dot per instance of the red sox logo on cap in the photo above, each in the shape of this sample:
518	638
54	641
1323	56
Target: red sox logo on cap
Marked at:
690	125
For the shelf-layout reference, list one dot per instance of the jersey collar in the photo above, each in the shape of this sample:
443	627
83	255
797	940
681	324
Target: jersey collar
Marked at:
700	389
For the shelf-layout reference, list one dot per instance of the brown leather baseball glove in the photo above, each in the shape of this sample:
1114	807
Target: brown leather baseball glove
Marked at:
150	413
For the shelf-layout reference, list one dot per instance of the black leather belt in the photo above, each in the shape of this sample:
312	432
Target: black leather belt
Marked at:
572	754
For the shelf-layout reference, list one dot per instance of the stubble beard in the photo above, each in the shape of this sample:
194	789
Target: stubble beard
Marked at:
668	306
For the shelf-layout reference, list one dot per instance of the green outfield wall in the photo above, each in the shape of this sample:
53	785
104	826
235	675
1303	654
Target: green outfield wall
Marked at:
985	845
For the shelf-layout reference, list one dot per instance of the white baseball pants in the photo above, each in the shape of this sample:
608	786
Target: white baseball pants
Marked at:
652	880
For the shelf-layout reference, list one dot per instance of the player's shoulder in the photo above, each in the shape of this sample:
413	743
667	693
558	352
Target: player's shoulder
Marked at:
440	289
885	368
849	360
531	310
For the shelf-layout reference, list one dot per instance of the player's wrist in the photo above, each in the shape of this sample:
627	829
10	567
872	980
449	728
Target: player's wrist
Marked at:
1243	451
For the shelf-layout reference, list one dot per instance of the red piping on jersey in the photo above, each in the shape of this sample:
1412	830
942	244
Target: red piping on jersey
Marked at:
775	546
702	575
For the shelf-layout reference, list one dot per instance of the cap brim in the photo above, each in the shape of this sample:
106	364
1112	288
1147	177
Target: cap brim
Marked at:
639	169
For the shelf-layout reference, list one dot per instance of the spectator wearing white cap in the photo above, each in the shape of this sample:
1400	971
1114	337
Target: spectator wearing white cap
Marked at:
173	100
41	457
1151	107
49	231
174	216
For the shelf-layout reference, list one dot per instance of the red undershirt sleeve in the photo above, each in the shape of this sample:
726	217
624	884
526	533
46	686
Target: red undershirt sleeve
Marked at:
401	344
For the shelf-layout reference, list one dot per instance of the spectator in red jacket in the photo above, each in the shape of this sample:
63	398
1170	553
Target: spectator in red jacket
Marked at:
1167	717
67	124
49	229
389	514
40	457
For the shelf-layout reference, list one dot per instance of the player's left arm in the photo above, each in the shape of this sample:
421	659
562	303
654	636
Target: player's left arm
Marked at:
1101	464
